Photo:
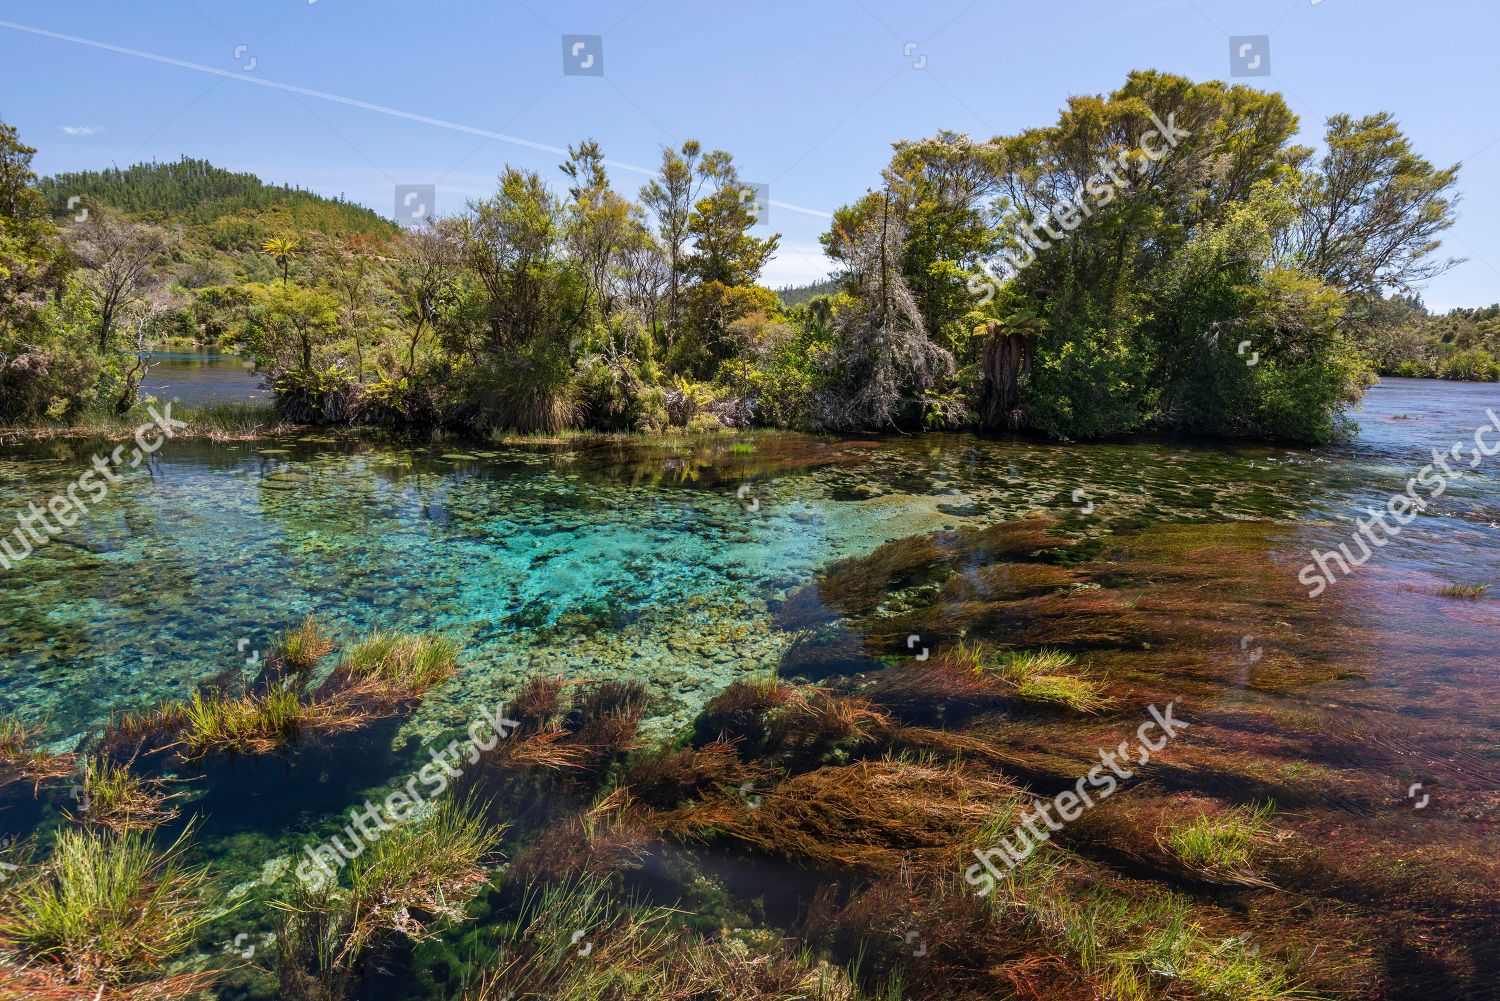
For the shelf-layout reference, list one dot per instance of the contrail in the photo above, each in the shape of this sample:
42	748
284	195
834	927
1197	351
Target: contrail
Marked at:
351	102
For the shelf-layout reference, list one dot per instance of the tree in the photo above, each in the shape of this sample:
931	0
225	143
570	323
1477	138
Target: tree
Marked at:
349	269
422	281
720	223
31	260
119	258
281	248
1371	213
139	317
670	197
882	353
600	223
288	323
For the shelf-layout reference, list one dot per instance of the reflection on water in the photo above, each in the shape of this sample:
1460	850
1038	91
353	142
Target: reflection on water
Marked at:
196	379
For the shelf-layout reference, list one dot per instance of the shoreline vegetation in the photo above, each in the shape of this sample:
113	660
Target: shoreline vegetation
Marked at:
1162	259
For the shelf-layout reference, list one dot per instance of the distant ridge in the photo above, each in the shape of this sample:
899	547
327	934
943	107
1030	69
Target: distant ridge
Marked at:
195	193
794	295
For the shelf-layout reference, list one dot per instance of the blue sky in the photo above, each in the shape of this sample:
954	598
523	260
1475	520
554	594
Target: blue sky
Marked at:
807	95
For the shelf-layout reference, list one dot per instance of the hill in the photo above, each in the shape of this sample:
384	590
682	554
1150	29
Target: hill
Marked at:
228	210
796	294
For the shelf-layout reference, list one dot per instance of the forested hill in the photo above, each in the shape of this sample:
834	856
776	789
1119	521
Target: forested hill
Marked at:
792	295
233	207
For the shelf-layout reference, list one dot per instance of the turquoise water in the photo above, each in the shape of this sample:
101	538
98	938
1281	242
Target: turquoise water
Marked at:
665	561
616	558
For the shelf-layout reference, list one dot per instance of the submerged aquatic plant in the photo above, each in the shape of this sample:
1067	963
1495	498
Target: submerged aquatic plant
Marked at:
107	910
403	886
22	761
302	646
1222	844
635	951
399	661
1464	590
252	723
1074	692
121	800
1022	665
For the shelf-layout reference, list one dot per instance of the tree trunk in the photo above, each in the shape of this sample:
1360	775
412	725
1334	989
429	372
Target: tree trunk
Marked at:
1007	359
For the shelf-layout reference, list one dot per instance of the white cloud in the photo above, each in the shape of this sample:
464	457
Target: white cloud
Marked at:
81	130
796	264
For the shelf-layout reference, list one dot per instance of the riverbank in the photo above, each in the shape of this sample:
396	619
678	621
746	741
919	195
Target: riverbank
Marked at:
222	422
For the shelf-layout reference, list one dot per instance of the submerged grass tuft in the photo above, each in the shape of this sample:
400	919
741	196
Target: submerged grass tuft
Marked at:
1222	844
412	880
119	799
1464	590
301	647
218	721
1022	665
21	760
1068	691
401	660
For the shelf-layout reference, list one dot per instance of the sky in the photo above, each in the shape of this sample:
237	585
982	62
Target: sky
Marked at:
356	97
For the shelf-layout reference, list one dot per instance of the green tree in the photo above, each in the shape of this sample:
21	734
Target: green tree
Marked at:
289	323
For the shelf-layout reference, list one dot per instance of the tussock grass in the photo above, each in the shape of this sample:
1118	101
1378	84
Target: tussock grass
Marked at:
379	677
635	954
1021	665
120	800
105	909
1464	590
217	721
401	660
1137	946
1068	691
1222	844
404	887
302	646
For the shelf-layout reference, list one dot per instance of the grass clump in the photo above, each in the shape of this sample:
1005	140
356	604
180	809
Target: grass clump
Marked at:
401	889
1223	844
108	911
301	647
1132	946
635	952
219	721
401	661
1470	591
1068	691
1022	665
116	798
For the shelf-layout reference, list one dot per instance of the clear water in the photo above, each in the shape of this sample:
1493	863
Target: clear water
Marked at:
197	378
621	558
666	562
